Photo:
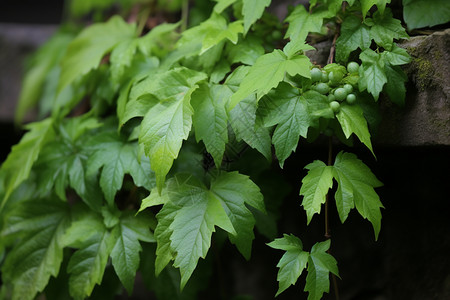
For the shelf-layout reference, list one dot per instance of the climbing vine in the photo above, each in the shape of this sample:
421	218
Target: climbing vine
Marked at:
135	160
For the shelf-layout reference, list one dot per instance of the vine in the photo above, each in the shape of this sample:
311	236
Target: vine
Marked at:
137	151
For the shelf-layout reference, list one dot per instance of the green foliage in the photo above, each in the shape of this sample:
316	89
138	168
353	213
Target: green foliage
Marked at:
165	120
318	263
425	13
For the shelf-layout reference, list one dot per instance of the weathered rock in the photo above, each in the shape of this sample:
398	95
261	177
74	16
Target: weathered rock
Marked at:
425	119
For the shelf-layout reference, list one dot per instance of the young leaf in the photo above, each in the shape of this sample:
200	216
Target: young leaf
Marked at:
20	160
354	34
371	73
356	185
293	261
117	157
315	186
88	263
85	52
351	118
267	72
125	253
320	264
286	109
252	10
39	253
210	118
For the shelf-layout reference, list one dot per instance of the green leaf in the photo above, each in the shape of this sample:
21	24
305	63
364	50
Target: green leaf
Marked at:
125	253
315	186
249	127
286	109
187	219
87	265
366	5
395	85
301	23
222	5
354	34
351	118
356	185
386	28
86	51
246	51
425	13
20	160
252	10
372	75
45	59
320	264
267	72
39	253
118	157
210	118
168	122
397	56
293	261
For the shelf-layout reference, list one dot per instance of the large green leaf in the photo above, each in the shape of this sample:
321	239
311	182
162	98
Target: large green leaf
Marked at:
20	160
39	252
285	108
425	13
86	51
315	186
191	211
118	157
125	253
320	264
87	265
293	261
210	118
168	122
354	34
268	71
356	185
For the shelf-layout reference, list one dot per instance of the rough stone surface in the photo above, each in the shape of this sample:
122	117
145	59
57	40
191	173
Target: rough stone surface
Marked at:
425	119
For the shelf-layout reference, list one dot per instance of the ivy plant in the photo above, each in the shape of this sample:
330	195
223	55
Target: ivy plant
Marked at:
134	160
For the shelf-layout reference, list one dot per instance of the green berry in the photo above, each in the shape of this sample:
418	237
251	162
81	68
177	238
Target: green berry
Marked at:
316	74
322	88
348	88
335	106
331	98
324	76
276	35
340	94
335	77
352	67
351	98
